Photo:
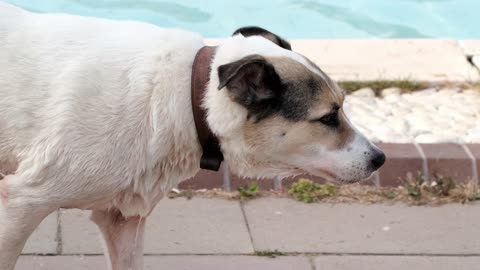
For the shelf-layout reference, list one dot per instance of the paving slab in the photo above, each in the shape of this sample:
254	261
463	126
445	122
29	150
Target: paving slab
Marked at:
395	263
291	226
79	234
227	263
169	262
387	59
43	240
61	263
197	226
179	226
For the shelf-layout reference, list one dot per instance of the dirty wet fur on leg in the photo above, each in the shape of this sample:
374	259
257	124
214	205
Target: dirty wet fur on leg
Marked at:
123	238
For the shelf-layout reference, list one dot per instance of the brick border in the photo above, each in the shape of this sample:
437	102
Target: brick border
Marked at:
459	161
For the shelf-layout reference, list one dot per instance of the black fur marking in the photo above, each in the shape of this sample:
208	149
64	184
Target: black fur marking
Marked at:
253	82
248	31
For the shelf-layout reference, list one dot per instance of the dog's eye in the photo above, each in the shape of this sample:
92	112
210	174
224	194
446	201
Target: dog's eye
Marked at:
330	119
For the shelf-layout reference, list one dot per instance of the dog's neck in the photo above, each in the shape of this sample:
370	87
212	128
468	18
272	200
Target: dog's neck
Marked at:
212	155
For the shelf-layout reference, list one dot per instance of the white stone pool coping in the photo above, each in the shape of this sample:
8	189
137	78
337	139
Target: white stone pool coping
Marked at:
433	60
470	47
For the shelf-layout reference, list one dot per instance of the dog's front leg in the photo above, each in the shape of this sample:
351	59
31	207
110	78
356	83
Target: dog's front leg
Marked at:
22	208
123	238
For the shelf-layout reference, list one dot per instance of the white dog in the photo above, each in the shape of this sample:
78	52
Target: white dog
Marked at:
96	114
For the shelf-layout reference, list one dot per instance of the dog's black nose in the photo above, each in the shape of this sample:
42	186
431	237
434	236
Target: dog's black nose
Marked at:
378	159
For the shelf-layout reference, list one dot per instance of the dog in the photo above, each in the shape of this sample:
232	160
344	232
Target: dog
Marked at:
96	114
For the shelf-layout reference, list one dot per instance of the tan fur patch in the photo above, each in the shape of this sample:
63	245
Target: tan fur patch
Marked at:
278	136
300	133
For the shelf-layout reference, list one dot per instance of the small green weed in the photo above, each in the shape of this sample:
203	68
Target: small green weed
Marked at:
390	194
414	185
249	191
439	189
442	186
308	191
269	253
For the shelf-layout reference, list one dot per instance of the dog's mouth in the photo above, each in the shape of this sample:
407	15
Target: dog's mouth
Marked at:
323	173
332	177
327	175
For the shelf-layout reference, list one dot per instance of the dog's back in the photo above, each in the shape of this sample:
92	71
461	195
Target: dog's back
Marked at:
10	16
83	91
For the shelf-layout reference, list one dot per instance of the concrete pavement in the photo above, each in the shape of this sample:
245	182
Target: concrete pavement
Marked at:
301	262
219	234
170	263
363	229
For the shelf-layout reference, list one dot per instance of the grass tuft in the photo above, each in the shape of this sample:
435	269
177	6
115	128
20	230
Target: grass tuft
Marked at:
414	185
308	191
405	85
378	85
413	191
249	191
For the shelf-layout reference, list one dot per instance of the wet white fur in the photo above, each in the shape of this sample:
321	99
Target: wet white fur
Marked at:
97	107
96	113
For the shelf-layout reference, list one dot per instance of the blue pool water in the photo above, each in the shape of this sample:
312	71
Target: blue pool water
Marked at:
291	18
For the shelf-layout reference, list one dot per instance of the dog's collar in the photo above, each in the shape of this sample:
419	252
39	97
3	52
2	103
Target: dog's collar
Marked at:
212	155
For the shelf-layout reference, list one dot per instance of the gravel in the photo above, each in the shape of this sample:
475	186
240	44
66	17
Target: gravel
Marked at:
426	116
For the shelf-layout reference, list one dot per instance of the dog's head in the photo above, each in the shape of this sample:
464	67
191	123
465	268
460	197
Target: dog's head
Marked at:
277	114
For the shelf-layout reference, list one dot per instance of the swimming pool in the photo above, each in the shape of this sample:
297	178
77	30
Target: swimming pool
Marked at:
291	18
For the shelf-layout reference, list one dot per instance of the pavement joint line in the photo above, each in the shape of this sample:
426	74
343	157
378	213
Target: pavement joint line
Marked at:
382	254
311	260
424	161
245	219
287	254
474	162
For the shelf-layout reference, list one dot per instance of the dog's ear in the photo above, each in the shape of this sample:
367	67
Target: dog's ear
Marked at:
258	31
250	81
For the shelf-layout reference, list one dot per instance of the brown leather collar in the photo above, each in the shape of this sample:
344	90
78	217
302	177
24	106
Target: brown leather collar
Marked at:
212	155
